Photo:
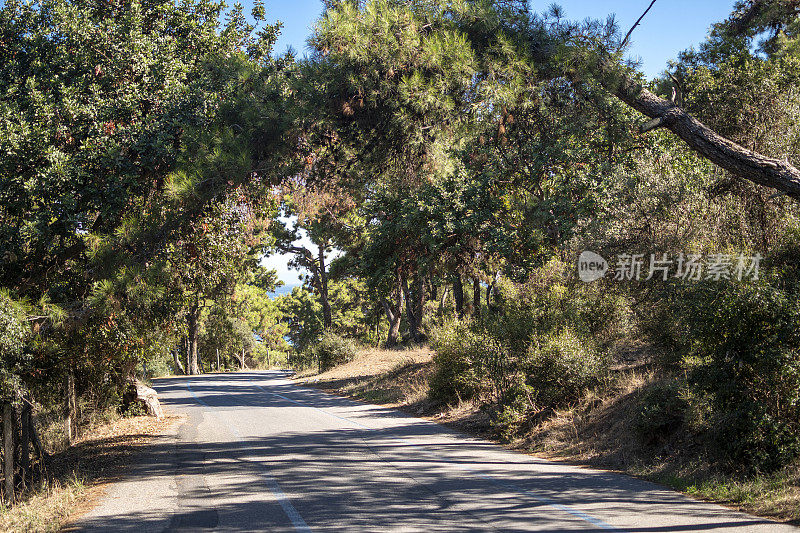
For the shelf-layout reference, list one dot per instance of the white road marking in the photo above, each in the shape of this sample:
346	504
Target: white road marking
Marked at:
294	516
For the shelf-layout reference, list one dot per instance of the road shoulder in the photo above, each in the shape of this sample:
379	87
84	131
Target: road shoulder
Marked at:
141	481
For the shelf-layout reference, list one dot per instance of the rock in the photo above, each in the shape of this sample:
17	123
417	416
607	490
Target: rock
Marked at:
141	393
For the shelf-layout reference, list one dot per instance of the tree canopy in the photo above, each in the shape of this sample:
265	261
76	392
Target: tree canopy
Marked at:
440	157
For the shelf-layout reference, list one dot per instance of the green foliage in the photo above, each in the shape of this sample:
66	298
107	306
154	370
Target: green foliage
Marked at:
14	331
262	314
560	368
436	145
159	366
541	348
118	185
12	327
553	299
662	412
457	351
745	355
95	109
305	317
515	408
332	350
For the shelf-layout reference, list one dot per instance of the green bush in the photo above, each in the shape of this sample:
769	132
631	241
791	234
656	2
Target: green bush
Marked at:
560	367
745	358
662	412
514	407
550	301
456	375
13	332
524	344
159	365
12	326
333	349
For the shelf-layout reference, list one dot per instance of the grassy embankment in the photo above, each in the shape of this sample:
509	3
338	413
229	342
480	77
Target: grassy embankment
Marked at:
78	474
597	432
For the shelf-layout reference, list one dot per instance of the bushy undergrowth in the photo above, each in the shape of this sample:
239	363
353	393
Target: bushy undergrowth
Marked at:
541	348
735	349
560	367
744	358
333	349
662	412
457	368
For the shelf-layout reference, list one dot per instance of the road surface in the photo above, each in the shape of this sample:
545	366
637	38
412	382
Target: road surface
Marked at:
258	453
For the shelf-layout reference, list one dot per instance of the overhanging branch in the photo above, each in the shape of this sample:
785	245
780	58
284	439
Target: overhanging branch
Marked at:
770	172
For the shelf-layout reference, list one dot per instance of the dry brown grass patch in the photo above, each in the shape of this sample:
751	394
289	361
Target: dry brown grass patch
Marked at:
396	378
78	475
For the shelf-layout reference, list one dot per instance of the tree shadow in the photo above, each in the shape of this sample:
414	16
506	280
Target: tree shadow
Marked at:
363	468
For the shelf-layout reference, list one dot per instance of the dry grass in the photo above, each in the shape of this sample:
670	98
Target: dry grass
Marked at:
77	475
598	432
396	378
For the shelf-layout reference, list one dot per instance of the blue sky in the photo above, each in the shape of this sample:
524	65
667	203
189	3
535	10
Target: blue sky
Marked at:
670	27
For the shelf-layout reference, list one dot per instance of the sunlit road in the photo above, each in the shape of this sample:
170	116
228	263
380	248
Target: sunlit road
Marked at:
258	453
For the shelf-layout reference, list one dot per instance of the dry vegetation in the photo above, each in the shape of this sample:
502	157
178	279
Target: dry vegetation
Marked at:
597	432
78	475
397	378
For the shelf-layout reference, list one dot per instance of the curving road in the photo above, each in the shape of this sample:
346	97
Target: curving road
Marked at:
258	453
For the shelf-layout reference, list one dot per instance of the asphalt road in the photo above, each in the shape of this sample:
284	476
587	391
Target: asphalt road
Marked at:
258	453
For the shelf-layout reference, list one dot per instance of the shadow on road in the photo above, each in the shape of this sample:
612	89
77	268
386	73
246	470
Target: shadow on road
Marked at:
349	478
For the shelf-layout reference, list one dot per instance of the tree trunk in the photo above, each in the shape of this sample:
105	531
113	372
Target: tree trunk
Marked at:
419	303
25	440
327	314
393	316
458	295
776	173
37	444
394	312
193	317
378	312
490	292
476	298
443	299
72	408
411	313
8	451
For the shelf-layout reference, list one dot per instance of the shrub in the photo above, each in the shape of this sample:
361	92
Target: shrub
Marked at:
13	333
560	367
333	349
12	326
159	365
662	411
515	405
456	361
745	357
549	301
